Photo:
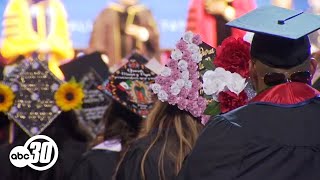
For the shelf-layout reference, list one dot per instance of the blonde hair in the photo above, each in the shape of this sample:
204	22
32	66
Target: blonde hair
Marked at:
184	130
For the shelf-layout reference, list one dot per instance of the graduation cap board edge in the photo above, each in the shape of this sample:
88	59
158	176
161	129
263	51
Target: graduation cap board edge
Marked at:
277	21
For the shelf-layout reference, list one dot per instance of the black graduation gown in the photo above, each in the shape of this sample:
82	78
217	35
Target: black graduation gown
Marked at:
130	167
259	142
69	152
96	164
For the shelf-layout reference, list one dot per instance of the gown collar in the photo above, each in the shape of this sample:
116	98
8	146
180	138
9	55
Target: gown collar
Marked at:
287	94
110	145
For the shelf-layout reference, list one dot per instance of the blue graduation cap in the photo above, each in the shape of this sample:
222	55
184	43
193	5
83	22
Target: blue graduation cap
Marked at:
281	35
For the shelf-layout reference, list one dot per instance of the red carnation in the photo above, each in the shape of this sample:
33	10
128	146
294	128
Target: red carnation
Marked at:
230	101
234	55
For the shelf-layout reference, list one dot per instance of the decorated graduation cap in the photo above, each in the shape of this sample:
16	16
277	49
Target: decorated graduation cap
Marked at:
281	35
35	97
129	85
91	71
95	104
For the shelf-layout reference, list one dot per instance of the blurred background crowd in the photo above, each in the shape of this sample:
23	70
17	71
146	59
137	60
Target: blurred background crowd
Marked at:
117	27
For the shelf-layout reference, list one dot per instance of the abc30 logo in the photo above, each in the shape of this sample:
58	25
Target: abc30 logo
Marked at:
39	152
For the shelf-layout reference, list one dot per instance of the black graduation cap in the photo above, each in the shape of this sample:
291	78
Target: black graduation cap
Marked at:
281	35
79	67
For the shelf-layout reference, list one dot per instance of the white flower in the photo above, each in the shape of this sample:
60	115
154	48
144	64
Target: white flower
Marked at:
237	83
35	65
197	57
183	65
54	87
175	90
193	48
185	75
176	54
215	97
14	87
213	86
188	84
180	83
34	130
166	72
215	81
14	110
54	109
162	96
188	36
35	96
156	88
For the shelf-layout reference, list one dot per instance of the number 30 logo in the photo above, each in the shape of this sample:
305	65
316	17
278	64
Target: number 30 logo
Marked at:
39	152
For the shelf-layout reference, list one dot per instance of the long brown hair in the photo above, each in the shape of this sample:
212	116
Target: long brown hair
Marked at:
173	127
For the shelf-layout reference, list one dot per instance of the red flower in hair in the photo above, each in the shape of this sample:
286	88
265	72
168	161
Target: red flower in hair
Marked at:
234	55
230	101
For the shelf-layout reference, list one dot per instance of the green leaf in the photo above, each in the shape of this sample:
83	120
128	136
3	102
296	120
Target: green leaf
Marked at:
74	80
208	65
213	109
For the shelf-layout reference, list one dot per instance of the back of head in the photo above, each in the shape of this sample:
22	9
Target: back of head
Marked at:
121	124
280	44
174	131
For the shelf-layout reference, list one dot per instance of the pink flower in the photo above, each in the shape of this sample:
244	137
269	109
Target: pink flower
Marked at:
205	119
192	67
195	112
166	87
182	45
187	55
172	100
175	75
184	93
194	76
202	102
190	107
160	80
172	64
182	103
197	39
193	94
196	84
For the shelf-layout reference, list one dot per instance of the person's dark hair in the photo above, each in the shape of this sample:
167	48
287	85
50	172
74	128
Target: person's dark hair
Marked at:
121	124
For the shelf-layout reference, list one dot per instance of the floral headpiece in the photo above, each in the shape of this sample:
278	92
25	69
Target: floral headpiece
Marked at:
218	88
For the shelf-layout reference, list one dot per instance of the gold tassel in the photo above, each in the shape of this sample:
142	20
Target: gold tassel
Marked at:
11	132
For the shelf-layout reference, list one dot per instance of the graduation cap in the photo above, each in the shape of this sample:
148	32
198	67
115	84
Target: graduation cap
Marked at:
79	67
95	104
129	85
281	35
34	107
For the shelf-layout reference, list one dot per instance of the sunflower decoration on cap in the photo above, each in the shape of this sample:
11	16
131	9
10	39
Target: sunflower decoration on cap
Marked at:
6	98
69	95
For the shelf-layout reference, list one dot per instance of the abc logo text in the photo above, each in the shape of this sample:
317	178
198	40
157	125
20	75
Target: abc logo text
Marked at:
39	152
